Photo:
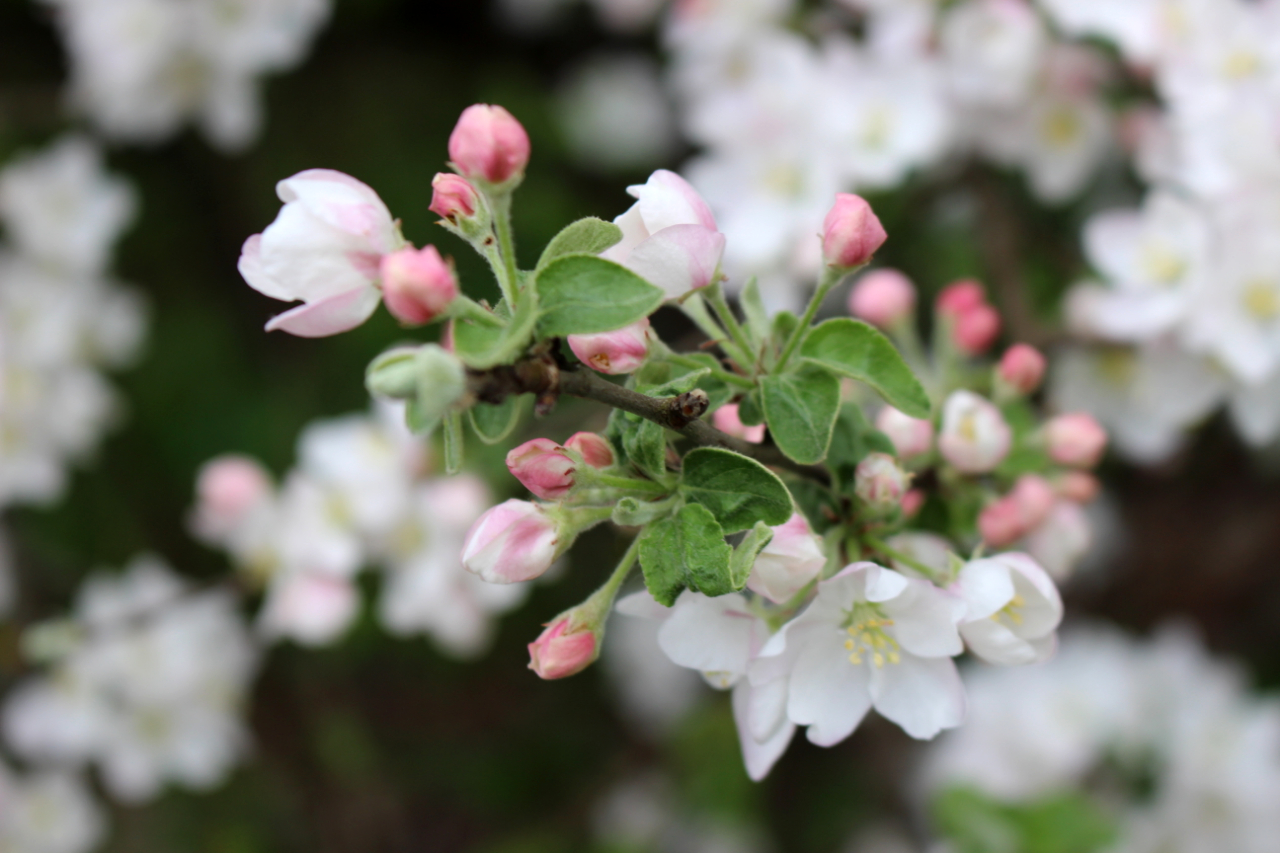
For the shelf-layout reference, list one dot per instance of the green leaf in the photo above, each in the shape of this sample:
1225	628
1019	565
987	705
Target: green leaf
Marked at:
800	408
685	550
494	423
482	343
744	556
1061	823
453	443
677	385
784	323
751	409
753	307
394	374
588	236
441	381
645	444
737	490
584	294
632	512
853	348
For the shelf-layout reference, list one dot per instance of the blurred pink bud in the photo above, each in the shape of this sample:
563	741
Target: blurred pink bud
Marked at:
594	449
417	285
1025	507
1075	439
453	197
559	652
976	329
1022	368
792	558
959	297
727	421
974	438
513	541
883	298
880	481
489	143
613	352
227	490
1078	486
851	233
544	468
910	436
912	503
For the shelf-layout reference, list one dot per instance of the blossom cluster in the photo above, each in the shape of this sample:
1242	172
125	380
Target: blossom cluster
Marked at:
141	69
360	495
1163	736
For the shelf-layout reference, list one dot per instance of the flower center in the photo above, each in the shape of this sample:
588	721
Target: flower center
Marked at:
1241	64
1260	300
1011	612
1162	265
865	625
1060	128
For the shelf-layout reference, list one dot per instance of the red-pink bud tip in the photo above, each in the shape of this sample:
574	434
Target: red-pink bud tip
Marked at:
417	285
726	420
851	233
453	197
488	143
1075	439
558	654
1022	368
883	298
544	467
594	449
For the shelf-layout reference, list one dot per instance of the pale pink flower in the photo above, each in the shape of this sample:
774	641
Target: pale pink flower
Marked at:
1061	540
1078	487
310	607
489	144
544	468
1013	609
513	541
559	652
910	436
621	351
883	297
417	284
1076	439
791	560
974	438
851	233
727	421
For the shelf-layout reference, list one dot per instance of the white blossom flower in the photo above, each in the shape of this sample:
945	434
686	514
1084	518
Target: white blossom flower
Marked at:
1013	609
614	113
48	810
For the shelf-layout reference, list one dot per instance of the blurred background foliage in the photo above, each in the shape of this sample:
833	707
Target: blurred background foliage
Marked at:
379	744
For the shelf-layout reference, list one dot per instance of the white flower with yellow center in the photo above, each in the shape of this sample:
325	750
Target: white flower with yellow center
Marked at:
1014	609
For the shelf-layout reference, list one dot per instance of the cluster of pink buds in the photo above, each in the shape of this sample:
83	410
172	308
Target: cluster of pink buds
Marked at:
971	322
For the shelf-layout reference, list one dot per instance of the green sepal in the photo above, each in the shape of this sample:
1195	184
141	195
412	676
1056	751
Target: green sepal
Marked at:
441	382
855	349
737	490
589	236
686	550
494	423
585	294
484	343
394	374
801	407
744	556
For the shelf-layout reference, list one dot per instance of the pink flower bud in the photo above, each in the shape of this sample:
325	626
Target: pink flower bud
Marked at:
883	298
227	490
544	467
727	421
974	438
1076	439
453	197
1022	368
910	436
912	502
976	329
851	233
881	482
1025	507
613	352
1078	486
959	297
791	559
560	652
594	449
417	285
513	541
1000	523
489	143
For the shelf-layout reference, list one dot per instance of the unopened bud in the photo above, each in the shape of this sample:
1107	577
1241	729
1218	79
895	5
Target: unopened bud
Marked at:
912	502
959	297
910	436
544	467
974	438
227	490
1075	439
880	482
489	144
513	541
417	285
1018	513
727	420
561	651
453	197
976	329
594	449
616	352
1078	486
884	298
1022	368
851	233
394	374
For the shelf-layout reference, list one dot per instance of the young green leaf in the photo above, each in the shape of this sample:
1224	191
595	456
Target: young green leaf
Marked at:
584	294
483	344
494	423
737	490
744	556
645	444
751	409
685	550
632	512
753	307
589	236
800	408
853	348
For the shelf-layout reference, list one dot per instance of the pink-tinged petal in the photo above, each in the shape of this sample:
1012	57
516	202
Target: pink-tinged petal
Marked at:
668	199
642	605
925	620
922	695
344	203
883	584
759	755
313	608
255	275
679	259
310	259
633	234
827	692
329	316
985	586
995	643
709	634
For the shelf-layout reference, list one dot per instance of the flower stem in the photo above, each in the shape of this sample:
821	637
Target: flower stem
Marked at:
508	280
715	296
601	601
696	310
830	278
630	484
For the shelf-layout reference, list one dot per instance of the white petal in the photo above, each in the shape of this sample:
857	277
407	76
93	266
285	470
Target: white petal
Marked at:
643	605
922	695
995	643
668	199
255	276
766	708
678	259
828	693
884	584
633	234
309	259
339	313
341	202
709	634
985	586
925	620
759	756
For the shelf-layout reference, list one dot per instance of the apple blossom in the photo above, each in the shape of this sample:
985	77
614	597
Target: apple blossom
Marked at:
560	651
975	330
1017	513
325	248
613	352
1013	609
311	608
960	297
1075	439
791	560
453	197
974	436
489	144
669	236
871	638
544	468
727	421
880	482
594	449
1061	540
1021	368
227	488
911	437
851	233
883	297
1078	487
912	502
417	284
513	541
